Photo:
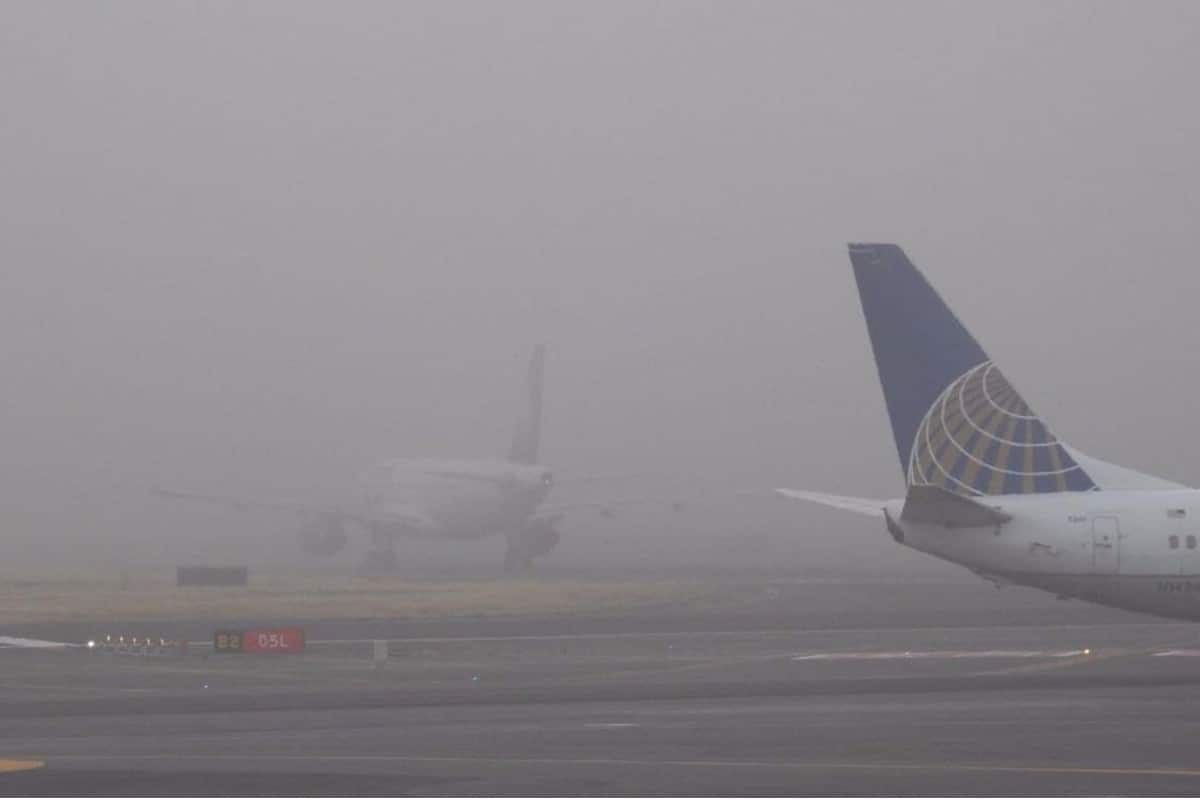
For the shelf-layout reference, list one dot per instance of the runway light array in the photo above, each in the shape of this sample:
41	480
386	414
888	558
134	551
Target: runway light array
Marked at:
137	645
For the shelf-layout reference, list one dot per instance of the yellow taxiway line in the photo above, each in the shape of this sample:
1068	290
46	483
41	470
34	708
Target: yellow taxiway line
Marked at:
12	765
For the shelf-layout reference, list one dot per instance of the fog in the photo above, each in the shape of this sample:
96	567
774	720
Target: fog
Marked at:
260	245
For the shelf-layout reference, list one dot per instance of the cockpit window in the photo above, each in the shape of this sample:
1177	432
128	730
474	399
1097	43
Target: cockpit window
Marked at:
1173	541
1191	542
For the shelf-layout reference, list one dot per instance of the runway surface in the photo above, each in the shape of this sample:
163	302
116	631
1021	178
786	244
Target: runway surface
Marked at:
1056	699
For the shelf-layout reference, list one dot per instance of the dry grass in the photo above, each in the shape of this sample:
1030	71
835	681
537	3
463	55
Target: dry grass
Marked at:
70	598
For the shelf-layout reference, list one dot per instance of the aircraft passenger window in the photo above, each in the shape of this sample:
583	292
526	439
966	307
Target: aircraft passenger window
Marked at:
1191	542
1173	540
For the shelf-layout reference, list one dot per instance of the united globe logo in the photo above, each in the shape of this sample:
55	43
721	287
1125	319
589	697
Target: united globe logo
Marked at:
980	438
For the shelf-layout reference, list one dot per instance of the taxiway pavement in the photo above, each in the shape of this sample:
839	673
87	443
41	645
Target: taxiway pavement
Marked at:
1086	701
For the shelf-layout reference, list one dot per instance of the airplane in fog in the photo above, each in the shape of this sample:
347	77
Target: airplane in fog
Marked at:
439	499
989	487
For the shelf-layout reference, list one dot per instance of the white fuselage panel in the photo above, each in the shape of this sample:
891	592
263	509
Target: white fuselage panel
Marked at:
455	499
1132	549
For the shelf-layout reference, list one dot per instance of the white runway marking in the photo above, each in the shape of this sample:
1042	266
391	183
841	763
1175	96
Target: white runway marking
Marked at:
738	633
1184	653
13	641
940	766
612	725
936	654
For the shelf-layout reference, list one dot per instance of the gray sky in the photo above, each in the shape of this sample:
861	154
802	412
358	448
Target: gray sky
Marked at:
269	242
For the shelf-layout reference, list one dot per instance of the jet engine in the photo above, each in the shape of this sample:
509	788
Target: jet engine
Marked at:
540	537
323	536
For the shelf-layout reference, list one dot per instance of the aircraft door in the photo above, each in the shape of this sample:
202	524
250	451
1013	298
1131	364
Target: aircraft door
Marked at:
1106	545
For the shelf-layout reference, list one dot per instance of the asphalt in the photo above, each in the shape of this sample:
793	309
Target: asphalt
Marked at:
950	691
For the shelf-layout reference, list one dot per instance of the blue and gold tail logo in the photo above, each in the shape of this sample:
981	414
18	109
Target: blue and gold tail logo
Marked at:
957	421
980	438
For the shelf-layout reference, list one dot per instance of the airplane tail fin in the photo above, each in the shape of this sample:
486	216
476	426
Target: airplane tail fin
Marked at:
957	421
527	438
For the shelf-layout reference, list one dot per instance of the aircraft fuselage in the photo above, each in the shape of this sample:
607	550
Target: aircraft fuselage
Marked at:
455	499
1137	550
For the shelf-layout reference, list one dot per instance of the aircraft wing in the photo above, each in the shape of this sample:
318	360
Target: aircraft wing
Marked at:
395	514
859	505
399	514
602	508
241	503
494	480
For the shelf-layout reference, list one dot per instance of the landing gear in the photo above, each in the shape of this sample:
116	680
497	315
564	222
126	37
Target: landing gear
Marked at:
381	558
538	539
516	559
323	536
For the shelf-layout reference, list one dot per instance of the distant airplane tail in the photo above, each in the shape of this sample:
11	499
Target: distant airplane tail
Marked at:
527	438
957	421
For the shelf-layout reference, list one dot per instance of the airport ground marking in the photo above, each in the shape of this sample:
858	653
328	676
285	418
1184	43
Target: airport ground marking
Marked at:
21	643
19	765
1176	772
1089	657
886	655
18	643
726	633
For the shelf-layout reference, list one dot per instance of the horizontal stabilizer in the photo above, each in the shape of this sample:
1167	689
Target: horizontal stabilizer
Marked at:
859	505
933	505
